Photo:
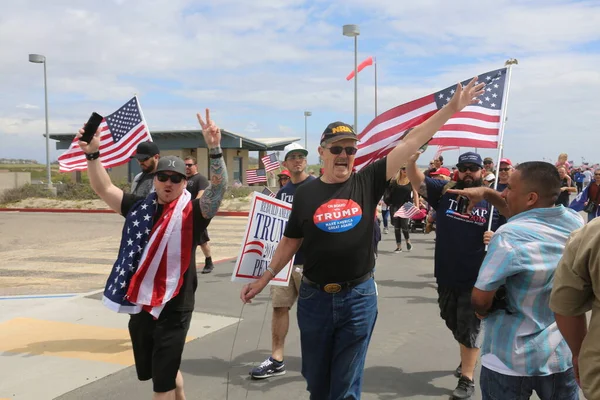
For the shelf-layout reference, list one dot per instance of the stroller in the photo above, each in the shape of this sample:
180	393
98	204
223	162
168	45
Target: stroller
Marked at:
417	221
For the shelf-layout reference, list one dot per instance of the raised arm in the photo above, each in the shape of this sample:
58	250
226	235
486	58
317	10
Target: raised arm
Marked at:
213	195
422	133
99	179
415	175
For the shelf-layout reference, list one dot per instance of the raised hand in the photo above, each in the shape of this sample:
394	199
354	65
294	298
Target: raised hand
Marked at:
93	145
464	96
210	131
474	194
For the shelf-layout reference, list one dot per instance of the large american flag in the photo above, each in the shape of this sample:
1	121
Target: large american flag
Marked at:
477	125
270	161
122	131
256	176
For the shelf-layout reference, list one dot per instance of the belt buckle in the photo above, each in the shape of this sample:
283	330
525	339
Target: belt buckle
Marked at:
332	288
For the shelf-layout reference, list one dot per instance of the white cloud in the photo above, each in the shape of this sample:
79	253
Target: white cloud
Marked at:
28	106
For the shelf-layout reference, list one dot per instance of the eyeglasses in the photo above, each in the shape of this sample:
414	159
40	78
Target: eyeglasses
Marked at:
284	178
338	150
472	168
144	159
175	178
403	169
300	157
189	165
503	169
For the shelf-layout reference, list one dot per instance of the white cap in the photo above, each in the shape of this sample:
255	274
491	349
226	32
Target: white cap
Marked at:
489	177
294	147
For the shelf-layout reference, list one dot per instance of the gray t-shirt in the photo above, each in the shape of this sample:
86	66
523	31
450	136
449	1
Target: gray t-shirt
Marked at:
142	184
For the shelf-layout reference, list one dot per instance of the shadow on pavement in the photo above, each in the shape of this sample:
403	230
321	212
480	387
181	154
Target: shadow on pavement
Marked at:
407	284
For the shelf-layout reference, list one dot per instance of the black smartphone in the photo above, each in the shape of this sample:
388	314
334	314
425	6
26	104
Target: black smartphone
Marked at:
91	126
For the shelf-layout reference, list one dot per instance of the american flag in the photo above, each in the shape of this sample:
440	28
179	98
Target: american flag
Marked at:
268	192
408	210
477	125
121	133
270	161
441	149
256	176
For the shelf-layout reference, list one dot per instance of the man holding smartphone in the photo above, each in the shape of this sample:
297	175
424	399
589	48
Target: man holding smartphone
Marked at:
154	285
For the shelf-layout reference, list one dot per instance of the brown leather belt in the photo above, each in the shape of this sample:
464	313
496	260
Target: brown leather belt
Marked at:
338	287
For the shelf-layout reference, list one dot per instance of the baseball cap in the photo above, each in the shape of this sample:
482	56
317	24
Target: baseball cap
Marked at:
469	158
441	171
489	177
146	150
506	161
171	163
285	172
294	147
488	160
337	131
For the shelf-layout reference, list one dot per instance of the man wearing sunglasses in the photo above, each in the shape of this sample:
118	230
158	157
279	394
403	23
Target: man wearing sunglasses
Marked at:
147	155
333	219
459	251
154	277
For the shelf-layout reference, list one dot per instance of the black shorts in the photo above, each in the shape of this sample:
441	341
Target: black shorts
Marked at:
203	238
158	346
458	313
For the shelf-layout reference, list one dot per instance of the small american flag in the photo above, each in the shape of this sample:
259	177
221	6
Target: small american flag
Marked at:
270	161
408	210
256	176
477	125
121	133
441	149
268	192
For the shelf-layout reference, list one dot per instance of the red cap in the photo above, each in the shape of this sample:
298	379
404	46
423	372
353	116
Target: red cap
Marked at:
285	172
441	171
506	161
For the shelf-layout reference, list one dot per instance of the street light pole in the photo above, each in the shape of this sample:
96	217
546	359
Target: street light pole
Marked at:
354	31
40	59
306	115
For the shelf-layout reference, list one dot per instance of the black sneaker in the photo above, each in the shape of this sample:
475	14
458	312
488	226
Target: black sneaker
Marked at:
458	371
208	268
408	246
268	368
465	388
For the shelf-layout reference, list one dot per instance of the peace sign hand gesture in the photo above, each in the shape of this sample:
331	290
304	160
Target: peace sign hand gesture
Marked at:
464	96
210	131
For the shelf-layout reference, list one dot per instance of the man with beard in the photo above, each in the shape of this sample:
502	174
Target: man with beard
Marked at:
147	154
284	297
459	252
566	187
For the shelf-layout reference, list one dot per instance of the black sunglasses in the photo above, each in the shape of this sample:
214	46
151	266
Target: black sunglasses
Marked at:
503	169
189	165
144	159
338	150
175	178
472	168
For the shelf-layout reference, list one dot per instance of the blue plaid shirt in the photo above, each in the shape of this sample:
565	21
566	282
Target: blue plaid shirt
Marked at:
523	255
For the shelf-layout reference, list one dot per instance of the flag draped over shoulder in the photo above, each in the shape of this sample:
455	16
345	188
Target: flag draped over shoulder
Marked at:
121	131
152	260
477	125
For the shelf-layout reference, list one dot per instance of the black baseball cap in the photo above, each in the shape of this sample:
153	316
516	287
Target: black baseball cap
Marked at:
146	150
171	163
337	131
469	158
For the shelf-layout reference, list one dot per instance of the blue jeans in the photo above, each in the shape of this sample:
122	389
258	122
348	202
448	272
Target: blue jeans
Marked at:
384	217
591	216
559	386
335	330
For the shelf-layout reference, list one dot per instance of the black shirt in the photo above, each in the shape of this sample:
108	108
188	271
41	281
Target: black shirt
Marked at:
196	183
336	222
400	194
184	301
563	197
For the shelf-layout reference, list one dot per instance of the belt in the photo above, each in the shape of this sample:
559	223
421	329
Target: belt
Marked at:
338	287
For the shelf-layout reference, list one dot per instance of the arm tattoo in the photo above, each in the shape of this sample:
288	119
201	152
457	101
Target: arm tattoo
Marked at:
423	189
211	199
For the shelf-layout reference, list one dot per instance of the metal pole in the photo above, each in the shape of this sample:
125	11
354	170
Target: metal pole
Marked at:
375	87
47	133
305	132
356	84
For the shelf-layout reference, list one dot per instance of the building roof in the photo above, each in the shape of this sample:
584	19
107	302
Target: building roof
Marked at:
194	138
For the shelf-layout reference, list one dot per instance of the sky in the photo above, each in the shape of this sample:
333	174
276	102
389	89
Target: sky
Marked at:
259	65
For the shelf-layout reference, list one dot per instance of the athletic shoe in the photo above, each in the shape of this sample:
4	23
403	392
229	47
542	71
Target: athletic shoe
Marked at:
386	231
398	250
465	388
208	268
268	368
408	246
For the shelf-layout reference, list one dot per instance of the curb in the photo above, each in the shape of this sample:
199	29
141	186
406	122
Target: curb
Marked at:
75	210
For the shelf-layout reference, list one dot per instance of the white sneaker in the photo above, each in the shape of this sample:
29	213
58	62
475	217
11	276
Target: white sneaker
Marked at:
385	230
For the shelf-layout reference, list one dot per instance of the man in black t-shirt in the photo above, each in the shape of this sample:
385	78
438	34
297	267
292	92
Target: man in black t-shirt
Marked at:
159	286
196	185
333	219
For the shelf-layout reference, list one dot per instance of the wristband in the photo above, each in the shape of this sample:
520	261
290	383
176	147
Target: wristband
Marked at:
216	155
92	156
271	271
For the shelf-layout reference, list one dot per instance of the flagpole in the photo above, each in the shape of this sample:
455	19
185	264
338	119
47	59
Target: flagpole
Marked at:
142	113
375	65
509	64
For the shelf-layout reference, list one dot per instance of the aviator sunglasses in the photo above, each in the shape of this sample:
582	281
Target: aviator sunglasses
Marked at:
176	178
338	150
472	168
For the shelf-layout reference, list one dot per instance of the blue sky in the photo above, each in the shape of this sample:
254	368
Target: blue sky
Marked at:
258	65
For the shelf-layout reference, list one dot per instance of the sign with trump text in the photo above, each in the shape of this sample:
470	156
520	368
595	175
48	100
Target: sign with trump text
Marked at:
267	220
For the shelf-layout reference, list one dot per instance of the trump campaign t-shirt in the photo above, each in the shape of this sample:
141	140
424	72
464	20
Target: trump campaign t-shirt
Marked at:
336	222
459	248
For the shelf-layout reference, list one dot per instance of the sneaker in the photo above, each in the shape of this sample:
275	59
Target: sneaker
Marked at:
458	371
465	388
398	250
268	368
408	246
386	231
208	268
